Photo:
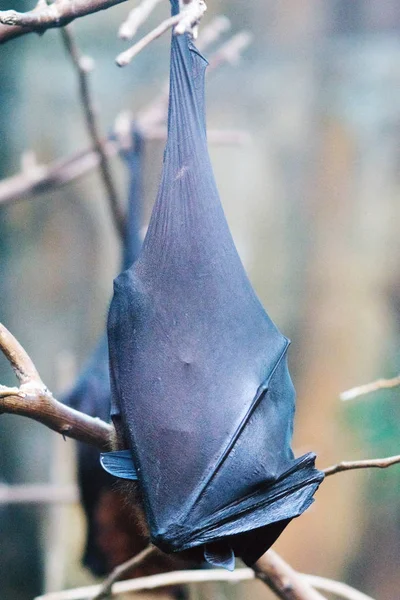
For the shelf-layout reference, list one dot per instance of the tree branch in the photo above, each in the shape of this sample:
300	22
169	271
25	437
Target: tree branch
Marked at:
282	579
377	463
45	178
33	399
38	493
82	66
14	24
136	17
106	588
186	21
174	578
374	386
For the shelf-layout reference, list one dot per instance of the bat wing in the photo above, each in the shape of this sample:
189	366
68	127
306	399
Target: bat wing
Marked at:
198	369
92	394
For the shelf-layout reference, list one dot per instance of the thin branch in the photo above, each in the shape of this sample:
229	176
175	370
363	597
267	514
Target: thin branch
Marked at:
82	66
14	24
231	51
336	587
375	463
45	178
282	579
19	360
186	21
37	179
125	57
33	399
136	18
374	386
211	32
121	570
38	494
174	578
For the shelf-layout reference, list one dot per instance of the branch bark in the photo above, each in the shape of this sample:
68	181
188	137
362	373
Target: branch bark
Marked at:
118	573
82	68
174	578
186	21
368	388
282	579
13	24
33	399
374	463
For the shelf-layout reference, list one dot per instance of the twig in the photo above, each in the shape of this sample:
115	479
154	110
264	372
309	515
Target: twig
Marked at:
136	18
121	570
211	32
14	24
82	66
336	587
44	178
33	399
377	463
374	386
231	51
198	576
125	57
186	21
282	579
38	494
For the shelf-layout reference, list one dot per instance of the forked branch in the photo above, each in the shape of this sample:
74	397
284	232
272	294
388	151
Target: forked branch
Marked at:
14	24
32	399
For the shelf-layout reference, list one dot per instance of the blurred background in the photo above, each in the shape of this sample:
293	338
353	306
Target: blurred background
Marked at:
313	203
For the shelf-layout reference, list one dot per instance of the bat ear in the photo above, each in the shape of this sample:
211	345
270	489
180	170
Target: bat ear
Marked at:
220	554
120	464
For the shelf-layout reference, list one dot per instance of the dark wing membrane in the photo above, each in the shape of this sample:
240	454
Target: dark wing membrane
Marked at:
193	354
91	393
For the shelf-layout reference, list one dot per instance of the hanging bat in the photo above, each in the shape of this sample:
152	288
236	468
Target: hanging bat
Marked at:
92	395
203	402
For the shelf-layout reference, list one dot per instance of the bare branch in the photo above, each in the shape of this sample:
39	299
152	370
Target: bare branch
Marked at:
82	66
211	32
374	386
38	494
375	463
121	570
125	57
336	587
14	24
186	21
191	12
198	576
21	363
287	583
136	18
33	399
231	51
60	172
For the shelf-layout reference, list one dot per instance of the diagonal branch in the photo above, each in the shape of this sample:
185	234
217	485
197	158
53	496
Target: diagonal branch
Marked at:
33	399
136	18
14	24
186	20
282	579
60	172
82	66
118	573
374	463
367	388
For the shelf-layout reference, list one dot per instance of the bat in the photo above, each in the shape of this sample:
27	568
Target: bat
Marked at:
92	395
203	402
